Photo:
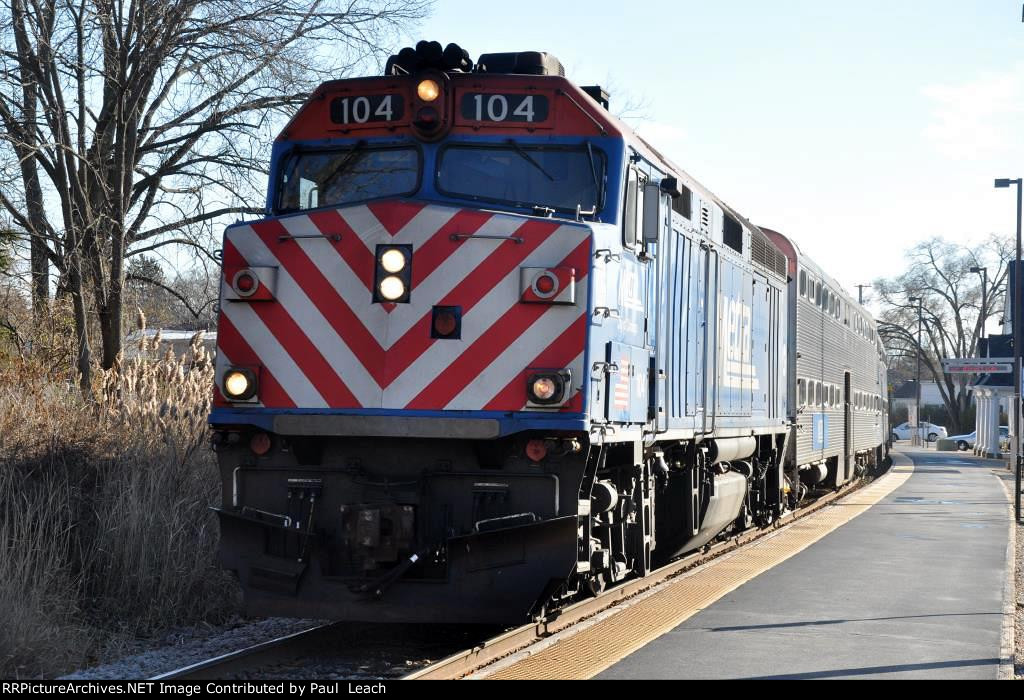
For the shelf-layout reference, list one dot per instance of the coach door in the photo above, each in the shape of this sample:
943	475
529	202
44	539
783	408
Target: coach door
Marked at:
847	431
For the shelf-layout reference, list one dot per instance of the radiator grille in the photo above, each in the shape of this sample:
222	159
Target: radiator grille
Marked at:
766	255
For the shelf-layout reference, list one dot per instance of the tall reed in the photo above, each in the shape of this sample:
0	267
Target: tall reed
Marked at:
105	525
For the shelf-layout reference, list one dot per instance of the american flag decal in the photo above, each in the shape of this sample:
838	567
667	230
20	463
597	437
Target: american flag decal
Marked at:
620	394
323	343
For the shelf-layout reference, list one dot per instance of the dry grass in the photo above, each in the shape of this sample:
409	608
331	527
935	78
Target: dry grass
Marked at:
104	522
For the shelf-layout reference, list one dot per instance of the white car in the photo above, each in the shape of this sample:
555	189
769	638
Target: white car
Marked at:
966	442
928	431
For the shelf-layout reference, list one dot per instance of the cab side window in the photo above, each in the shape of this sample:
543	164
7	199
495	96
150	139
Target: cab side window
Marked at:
629	210
633	209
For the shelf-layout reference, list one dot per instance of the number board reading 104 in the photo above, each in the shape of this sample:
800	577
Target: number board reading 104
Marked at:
364	109
498	107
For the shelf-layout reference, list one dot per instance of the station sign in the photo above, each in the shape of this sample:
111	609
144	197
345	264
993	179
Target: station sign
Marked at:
977	365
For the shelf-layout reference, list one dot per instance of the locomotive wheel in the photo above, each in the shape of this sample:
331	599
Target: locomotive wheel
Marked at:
594	585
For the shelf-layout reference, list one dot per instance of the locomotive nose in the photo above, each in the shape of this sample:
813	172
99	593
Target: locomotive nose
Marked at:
402	305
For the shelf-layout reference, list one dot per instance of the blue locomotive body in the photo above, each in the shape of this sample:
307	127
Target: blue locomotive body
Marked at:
514	357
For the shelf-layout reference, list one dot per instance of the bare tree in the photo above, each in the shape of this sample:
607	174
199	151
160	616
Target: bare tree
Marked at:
133	125
7	240
939	274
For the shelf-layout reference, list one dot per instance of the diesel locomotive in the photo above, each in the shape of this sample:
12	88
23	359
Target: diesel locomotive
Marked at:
490	351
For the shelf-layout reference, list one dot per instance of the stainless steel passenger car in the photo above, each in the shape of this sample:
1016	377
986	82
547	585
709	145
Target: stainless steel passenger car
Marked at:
837	377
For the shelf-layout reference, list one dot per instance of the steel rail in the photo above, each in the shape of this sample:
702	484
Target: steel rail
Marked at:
274	650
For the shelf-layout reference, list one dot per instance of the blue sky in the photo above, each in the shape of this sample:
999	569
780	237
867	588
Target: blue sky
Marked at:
859	128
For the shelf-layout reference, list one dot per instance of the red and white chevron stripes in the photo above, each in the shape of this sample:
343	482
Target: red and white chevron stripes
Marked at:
323	343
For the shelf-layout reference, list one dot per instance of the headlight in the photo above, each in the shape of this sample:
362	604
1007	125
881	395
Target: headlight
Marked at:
393	260
428	90
239	384
544	388
392	288
392	277
547	388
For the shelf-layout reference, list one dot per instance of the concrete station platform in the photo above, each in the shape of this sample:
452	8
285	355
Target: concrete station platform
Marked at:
917	586
910	576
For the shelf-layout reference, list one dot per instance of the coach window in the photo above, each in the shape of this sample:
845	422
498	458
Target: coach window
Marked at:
817	393
801	393
803	283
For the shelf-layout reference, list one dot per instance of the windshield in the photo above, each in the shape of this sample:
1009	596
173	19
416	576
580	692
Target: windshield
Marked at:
525	176
311	179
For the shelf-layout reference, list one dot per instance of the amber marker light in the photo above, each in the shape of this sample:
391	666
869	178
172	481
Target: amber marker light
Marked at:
428	90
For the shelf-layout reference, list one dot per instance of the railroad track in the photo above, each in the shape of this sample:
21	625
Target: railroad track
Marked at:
389	651
339	650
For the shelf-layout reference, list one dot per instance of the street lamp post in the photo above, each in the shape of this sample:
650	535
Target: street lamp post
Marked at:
920	321
860	292
984	295
1016	319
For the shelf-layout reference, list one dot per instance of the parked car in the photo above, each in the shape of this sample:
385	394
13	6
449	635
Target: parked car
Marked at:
966	442
928	431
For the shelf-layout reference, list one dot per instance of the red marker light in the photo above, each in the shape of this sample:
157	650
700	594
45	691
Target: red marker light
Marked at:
445	323
245	283
260	444
545	285
536	450
427	119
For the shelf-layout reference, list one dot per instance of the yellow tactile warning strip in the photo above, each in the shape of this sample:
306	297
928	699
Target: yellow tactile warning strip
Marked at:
585	650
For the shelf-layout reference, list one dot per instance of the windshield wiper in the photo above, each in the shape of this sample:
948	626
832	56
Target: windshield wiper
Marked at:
346	161
593	171
529	159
